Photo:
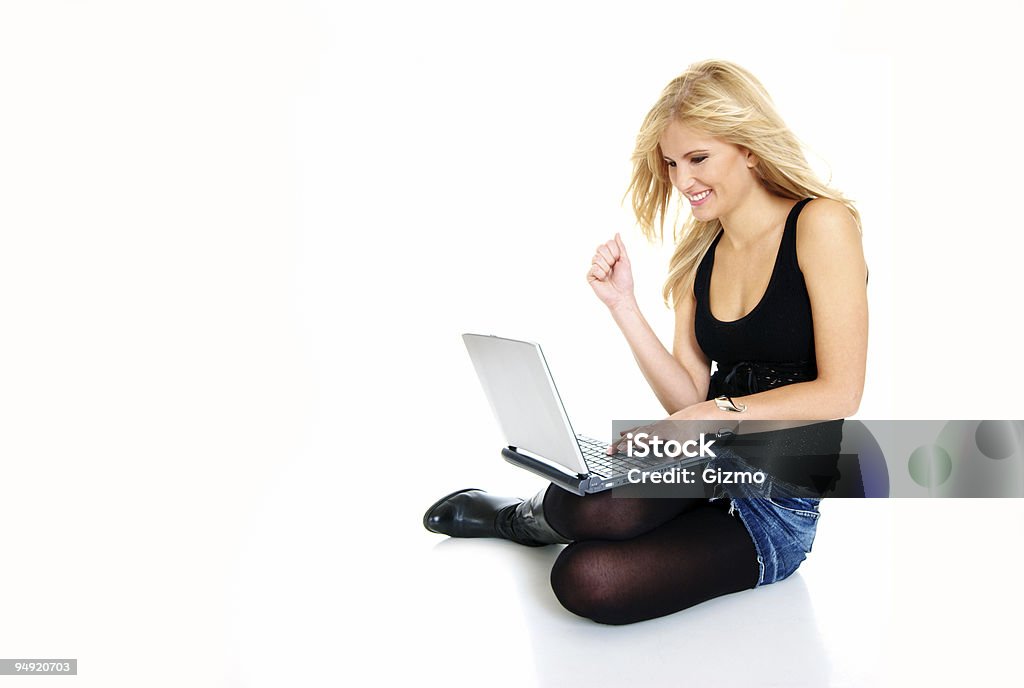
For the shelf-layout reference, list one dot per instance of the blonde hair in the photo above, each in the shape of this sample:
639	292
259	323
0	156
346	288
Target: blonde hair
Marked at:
725	101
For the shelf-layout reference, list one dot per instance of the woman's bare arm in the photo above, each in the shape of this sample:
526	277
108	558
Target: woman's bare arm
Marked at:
667	374
678	380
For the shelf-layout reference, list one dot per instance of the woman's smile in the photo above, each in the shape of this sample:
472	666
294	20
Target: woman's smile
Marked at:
698	198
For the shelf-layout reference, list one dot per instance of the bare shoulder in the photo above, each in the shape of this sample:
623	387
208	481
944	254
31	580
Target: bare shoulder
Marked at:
827	232
824	215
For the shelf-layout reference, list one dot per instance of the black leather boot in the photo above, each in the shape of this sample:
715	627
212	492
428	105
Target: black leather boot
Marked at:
473	513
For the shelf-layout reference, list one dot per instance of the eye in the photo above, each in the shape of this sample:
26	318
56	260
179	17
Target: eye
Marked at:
698	159
670	163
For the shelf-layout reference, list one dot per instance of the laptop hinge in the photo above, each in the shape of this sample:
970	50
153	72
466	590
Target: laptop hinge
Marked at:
577	484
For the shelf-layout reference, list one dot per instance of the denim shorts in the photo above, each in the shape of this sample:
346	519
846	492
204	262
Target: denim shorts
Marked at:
781	521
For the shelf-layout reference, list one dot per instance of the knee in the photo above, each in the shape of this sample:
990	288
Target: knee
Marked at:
584	583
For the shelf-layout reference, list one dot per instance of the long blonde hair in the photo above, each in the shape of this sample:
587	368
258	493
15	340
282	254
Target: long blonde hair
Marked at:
725	101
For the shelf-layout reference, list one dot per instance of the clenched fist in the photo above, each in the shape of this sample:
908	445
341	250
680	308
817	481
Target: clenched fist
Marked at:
610	275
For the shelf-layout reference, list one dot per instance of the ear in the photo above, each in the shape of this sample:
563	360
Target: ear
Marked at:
752	159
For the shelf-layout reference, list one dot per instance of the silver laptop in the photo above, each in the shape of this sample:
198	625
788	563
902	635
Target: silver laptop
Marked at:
518	384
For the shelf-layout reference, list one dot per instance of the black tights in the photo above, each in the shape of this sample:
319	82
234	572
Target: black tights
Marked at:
639	558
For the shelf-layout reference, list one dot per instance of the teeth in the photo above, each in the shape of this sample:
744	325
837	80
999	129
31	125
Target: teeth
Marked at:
701	196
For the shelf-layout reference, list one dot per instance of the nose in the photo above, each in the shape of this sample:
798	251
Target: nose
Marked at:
682	180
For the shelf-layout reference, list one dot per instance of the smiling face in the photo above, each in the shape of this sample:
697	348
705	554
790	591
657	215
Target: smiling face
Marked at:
715	176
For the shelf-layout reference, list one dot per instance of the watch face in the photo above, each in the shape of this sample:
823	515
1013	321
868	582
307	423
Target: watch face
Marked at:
727	404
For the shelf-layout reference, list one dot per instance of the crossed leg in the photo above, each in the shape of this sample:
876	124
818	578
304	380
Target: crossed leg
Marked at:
626	565
604	517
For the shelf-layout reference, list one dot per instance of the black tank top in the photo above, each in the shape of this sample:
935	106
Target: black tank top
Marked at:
771	346
774	343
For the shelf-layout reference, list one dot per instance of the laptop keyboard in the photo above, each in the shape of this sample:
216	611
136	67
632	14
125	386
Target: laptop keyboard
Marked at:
604	466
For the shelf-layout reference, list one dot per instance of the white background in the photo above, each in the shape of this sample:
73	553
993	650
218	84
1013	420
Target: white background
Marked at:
239	242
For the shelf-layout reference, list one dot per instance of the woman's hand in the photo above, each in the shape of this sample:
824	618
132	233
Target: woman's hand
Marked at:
686	424
610	275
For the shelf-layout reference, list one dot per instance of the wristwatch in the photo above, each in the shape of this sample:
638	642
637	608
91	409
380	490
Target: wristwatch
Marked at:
727	404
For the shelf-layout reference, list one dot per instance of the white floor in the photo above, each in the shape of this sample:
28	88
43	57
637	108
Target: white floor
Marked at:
896	592
887	597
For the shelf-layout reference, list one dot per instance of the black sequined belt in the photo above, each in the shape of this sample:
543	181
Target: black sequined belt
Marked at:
751	377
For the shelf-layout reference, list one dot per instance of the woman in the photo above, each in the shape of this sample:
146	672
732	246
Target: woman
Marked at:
768	280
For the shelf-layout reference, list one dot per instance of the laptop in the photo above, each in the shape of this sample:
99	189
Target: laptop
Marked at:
539	437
